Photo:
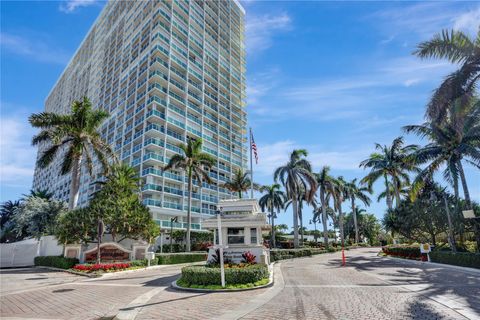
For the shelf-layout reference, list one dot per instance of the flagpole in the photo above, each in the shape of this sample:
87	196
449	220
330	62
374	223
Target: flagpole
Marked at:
251	166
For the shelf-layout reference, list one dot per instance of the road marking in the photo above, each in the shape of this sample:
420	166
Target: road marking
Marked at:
131	310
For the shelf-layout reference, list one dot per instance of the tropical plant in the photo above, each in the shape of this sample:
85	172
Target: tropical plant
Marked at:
36	217
272	201
239	183
39	193
354	191
74	136
8	210
392	162
339	194
454	140
295	175
458	48
325	186
192	161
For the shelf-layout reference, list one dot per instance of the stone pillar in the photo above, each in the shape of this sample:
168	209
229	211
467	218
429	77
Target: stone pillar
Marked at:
248	237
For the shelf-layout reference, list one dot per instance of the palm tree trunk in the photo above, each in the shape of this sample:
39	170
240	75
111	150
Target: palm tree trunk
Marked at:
340	223
354	213
387	194
300	216
464	185
451	236
324	217
273	228
295	222
397	195
75	184
240	194
189	209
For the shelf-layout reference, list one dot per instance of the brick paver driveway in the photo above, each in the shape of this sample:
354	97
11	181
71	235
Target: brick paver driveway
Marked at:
369	287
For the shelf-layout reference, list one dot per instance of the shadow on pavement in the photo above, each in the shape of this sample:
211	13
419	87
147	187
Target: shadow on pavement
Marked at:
438	281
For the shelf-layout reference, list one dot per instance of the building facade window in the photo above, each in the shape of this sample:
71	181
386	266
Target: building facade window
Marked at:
236	236
253	235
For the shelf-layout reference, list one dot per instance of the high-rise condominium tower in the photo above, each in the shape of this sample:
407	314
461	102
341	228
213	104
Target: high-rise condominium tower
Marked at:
166	71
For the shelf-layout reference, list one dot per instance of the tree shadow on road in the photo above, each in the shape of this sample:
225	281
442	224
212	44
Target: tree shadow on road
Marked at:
432	280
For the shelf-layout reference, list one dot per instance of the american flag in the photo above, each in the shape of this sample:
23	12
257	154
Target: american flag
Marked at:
253	146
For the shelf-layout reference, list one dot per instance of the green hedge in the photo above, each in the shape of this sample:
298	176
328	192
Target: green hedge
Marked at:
182	257
281	254
463	259
56	261
410	252
201	275
143	263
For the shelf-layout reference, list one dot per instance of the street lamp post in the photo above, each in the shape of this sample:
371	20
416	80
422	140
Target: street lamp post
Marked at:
172	220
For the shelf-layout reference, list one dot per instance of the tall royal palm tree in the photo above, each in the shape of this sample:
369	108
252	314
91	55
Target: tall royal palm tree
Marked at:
391	162
295	175
302	199
239	183
354	191
458	48
77	135
325	186
273	201
192	161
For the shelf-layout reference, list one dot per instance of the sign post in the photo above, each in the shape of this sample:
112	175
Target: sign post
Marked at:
425	248
220	247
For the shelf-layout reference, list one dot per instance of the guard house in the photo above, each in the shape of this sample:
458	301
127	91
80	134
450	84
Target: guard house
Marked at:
242	223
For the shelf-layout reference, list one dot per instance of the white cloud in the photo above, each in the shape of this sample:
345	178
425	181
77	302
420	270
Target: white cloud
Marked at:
260	30
37	49
69	6
271	156
18	157
468	21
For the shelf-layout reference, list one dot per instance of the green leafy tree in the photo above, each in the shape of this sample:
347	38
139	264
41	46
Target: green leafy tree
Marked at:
458	48
192	161
76	134
295	175
353	192
391	162
272	201
36	217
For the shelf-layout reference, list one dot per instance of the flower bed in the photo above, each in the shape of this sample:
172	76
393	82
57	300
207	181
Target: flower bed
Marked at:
406	252
103	267
241	274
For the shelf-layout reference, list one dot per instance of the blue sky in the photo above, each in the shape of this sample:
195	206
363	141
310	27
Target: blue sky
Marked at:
331	77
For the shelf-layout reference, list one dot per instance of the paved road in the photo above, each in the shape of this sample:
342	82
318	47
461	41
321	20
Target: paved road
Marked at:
369	287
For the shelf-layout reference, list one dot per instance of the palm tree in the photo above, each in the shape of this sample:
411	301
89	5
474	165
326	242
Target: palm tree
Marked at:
7	211
392	162
339	194
451	142
39	193
240	183
76	134
192	161
458	48
301	200
325	185
273	200
295	175
353	192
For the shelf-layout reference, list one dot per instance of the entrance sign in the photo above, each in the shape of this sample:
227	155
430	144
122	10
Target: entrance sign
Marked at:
108	253
468	214
425	248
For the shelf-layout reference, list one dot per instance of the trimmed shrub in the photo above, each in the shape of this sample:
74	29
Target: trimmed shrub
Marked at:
281	254
408	252
182	257
201	275
143	263
176	247
56	261
463	259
